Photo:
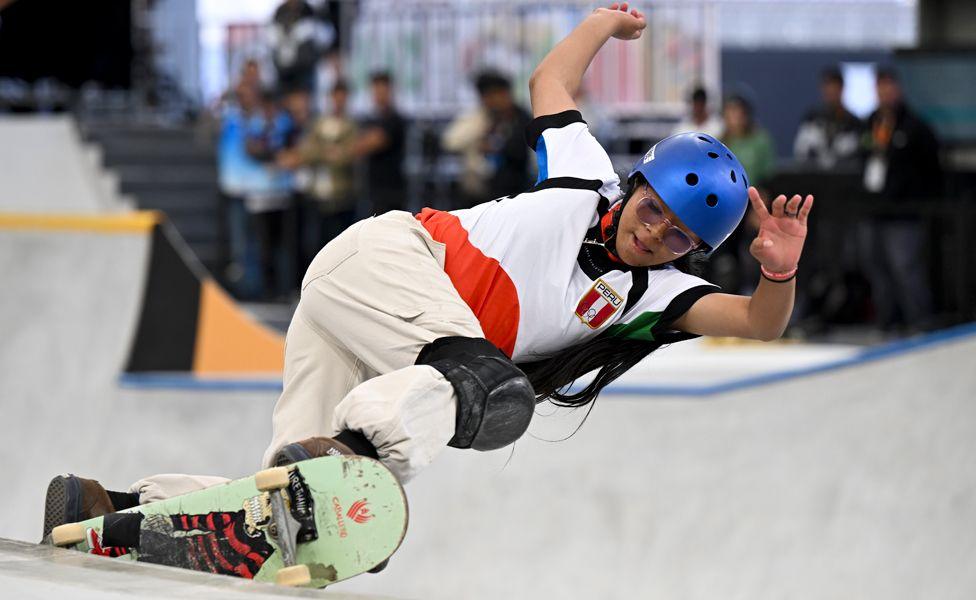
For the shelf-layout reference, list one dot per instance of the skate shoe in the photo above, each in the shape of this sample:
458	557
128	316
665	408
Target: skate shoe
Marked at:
345	443
310	448
71	499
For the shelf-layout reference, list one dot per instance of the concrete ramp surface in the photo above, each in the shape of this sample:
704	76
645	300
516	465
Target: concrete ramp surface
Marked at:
28	571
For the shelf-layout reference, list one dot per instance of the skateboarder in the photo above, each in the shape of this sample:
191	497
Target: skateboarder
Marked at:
416	332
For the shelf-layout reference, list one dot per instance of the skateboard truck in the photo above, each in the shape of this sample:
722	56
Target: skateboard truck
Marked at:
284	528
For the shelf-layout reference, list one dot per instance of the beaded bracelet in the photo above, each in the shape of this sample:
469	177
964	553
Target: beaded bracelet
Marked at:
778	277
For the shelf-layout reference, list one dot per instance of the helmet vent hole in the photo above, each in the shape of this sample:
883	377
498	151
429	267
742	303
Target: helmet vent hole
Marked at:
691	179
704	139
712	155
711	200
732	173
729	155
745	182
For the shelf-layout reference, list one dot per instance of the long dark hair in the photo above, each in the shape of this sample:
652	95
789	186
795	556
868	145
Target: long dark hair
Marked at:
610	356
552	377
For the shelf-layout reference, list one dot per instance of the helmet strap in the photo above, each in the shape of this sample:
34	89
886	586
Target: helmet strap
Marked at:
609	223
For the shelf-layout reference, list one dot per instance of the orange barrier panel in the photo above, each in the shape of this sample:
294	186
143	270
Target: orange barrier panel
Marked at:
229	341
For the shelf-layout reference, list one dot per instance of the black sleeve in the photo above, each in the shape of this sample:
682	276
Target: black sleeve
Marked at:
539	124
679	306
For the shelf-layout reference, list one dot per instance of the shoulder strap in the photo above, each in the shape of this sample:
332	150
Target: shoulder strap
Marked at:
637	289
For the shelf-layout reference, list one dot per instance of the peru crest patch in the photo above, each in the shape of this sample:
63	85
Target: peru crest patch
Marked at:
598	304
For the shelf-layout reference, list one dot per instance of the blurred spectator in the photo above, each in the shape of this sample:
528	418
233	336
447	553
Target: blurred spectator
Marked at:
829	135
734	266
699	117
751	144
381	144
903	152
251	75
504	144
297	106
239	174
465	135
325	161
902	166
268	203
297	39
491	138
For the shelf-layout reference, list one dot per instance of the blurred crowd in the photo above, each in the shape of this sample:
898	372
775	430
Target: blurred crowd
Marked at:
295	174
296	171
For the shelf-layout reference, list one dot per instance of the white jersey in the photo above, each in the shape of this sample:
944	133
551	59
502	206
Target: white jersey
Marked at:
530	265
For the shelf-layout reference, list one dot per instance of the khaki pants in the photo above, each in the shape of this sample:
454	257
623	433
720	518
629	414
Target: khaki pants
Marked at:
371	300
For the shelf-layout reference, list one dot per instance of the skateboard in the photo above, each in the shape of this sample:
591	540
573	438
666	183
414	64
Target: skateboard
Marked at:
312	523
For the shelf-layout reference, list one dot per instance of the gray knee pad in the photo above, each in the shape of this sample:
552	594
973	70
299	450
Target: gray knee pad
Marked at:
495	398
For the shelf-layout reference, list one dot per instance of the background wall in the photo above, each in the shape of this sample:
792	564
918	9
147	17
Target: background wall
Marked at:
784	83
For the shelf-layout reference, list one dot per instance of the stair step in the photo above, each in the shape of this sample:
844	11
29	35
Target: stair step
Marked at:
167	168
107	131
177	200
123	152
197	230
138	173
170	186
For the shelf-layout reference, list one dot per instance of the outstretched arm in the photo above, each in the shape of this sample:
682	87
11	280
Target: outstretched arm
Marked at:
777	247
556	80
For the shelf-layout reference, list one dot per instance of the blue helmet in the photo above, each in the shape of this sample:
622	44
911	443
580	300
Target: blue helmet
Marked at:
701	181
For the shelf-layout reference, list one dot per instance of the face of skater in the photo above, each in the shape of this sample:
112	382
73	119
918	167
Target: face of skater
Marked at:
640	244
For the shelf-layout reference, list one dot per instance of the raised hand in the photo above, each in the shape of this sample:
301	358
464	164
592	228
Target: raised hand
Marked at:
630	22
782	231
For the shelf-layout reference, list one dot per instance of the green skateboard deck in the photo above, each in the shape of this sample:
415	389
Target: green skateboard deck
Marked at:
326	519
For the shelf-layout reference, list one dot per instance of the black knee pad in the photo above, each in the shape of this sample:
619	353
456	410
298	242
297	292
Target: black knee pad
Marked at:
495	398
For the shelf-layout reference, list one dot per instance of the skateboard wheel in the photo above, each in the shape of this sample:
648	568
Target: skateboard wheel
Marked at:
274	478
293	576
68	534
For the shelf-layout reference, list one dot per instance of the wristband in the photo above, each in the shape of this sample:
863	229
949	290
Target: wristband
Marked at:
778	277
